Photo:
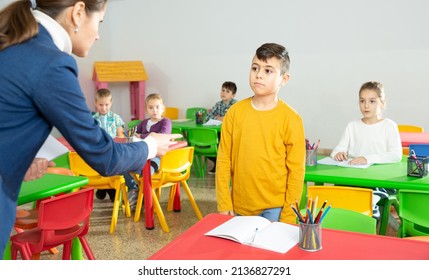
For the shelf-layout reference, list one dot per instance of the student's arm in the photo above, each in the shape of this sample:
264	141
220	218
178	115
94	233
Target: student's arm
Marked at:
340	152
165	126
223	167
119	123
120	132
212	113
295	165
391	148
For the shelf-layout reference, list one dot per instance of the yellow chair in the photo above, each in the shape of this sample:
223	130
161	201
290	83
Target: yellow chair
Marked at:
96	181
356	199
408	128
174	169
171	113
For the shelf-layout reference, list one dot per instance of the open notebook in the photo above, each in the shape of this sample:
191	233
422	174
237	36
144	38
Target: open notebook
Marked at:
258	232
331	161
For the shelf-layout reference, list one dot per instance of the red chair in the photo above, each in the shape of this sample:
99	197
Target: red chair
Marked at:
61	219
27	219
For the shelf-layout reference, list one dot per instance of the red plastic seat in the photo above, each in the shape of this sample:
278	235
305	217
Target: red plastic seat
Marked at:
61	219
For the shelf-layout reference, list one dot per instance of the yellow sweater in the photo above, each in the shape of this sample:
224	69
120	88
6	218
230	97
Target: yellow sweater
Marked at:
263	154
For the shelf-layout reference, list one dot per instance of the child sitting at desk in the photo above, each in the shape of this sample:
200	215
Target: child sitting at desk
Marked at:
218	111
155	123
113	124
371	139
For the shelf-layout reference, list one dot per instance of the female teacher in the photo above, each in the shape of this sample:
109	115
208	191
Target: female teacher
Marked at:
40	90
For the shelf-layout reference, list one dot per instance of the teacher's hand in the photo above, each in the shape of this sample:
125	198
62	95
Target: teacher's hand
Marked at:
38	168
163	141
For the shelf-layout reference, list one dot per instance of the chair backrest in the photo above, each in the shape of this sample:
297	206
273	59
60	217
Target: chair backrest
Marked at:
80	167
356	199
421	150
190	112
410	128
66	211
133	123
175	166
413	212
349	220
204	140
177	130
171	113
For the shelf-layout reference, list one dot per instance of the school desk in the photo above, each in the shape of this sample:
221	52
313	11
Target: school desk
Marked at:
408	138
336	245
389	176
47	186
185	125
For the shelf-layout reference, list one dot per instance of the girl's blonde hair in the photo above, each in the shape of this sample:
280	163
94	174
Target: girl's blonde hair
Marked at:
154	96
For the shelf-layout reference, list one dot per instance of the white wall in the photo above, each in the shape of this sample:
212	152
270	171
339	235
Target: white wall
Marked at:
191	47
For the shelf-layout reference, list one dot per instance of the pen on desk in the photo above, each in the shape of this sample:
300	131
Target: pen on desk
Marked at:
254	236
324	213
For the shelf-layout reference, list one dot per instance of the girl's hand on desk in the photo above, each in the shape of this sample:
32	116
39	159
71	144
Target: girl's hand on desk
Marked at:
38	168
341	156
358	160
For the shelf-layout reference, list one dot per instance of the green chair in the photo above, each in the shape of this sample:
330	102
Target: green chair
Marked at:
413	212
178	130
190	112
133	123
349	220
420	150
205	142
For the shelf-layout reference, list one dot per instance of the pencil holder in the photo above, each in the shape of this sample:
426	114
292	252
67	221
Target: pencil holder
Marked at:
199	117
311	157
417	166
310	237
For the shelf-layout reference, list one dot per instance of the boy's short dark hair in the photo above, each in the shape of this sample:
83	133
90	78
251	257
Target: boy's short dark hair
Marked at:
231	86
102	92
269	50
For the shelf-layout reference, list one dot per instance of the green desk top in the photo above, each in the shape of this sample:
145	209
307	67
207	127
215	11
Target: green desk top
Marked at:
49	185
192	124
393	175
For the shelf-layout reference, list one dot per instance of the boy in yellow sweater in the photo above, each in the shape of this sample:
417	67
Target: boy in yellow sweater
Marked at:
262	145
